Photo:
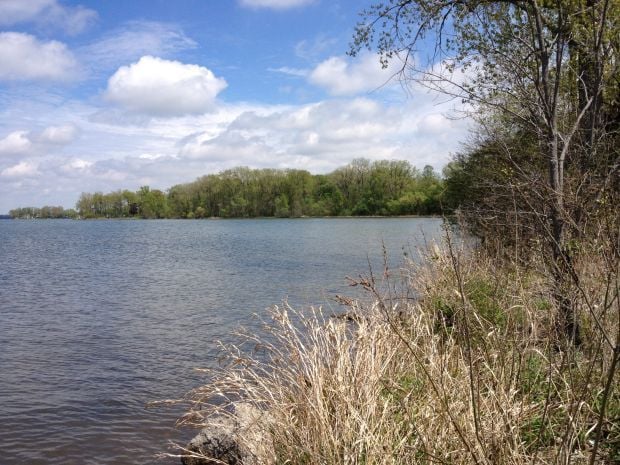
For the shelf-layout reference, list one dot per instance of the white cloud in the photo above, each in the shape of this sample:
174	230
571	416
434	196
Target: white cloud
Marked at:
297	72
134	40
15	143
434	123
76	165
161	152
28	143
58	135
75	170
345	77
275	4
323	136
71	20
311	136
17	11
164	88
24	57
22	169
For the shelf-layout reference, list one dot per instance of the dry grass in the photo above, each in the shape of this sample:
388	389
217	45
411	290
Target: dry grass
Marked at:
468	373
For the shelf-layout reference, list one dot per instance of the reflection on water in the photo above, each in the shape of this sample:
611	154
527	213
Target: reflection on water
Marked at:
97	318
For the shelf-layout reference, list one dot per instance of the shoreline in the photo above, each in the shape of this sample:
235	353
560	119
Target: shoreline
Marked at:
218	218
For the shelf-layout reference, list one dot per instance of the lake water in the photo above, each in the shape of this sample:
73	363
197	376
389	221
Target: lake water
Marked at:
97	318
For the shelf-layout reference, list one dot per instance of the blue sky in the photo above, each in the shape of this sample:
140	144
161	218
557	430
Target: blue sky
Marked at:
104	95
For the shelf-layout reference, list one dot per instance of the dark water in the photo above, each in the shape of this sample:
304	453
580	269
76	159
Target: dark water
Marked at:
97	318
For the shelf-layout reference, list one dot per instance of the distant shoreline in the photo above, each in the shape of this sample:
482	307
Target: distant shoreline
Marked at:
218	218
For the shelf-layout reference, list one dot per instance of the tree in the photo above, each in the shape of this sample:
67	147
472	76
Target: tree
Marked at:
384	187
532	66
152	203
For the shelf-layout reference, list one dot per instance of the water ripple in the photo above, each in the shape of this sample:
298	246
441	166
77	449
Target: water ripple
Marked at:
99	318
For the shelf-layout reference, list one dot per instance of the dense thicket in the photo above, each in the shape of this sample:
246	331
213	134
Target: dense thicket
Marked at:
542	80
498	184
540	184
359	188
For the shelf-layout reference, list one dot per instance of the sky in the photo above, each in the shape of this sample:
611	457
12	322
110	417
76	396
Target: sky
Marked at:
107	95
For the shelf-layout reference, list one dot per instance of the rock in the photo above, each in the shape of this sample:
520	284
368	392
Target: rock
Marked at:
239	439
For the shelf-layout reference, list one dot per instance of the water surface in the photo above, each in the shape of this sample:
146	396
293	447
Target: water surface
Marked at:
97	318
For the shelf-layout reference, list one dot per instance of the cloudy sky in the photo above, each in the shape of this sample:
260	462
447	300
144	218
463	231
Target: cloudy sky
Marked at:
102	95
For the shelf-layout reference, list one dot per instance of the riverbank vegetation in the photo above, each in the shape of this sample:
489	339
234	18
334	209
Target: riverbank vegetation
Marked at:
502	352
361	188
471	371
46	212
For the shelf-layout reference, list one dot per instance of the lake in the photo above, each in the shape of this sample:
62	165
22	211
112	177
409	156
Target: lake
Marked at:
98	318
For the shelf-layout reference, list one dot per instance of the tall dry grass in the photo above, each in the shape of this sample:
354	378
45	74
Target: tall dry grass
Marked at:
469	372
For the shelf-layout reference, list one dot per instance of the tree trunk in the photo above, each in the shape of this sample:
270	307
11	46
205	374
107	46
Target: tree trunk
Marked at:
567	324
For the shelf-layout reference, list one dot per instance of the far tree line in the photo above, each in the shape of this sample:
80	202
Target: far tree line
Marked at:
46	212
361	188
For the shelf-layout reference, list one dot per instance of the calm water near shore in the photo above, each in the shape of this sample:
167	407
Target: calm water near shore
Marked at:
97	318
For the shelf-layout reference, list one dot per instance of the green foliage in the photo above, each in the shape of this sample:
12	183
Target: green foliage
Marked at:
536	433
152	203
483	296
46	212
281	205
386	187
495	188
533	376
444	315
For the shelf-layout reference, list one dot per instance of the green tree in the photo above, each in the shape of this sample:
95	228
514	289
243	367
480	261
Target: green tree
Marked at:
200	212
152	203
282	206
362	187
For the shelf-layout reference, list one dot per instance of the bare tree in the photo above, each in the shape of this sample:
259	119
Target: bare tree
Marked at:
538	66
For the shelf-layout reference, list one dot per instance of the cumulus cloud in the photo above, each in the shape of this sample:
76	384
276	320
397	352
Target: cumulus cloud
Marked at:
435	123
22	169
58	135
340	76
71	20
160	87
315	136
15	143
323	136
24	57
28	143
76	166
275	4
162	152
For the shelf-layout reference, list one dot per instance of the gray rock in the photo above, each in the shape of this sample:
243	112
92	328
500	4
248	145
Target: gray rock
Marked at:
239	439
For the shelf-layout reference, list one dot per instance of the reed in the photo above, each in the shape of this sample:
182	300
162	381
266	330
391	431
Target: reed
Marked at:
468	372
